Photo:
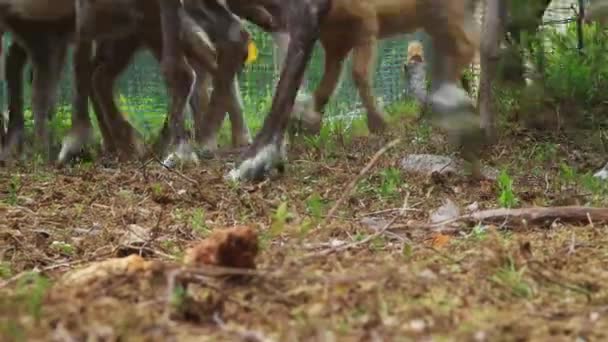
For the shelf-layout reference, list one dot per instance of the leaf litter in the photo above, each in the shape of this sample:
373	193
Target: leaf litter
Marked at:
99	253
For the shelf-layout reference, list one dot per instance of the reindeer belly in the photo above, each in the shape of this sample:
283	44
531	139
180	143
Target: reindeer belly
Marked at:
393	16
396	17
38	9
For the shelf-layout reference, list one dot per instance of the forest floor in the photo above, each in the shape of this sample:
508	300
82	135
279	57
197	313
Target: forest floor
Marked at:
374	270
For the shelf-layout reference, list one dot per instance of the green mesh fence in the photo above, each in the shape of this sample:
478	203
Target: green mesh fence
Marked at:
142	95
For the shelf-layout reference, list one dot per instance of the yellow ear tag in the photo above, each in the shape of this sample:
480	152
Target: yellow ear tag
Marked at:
252	53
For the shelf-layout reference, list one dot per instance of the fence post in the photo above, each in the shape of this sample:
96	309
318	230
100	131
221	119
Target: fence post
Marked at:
579	24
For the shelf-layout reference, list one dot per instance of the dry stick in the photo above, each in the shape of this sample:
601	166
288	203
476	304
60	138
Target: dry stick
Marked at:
37	271
367	239
246	335
353	183
181	175
568	213
530	215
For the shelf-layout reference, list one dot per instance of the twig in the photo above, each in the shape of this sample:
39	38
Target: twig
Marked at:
367	239
530	215
44	269
181	175
353	183
246	335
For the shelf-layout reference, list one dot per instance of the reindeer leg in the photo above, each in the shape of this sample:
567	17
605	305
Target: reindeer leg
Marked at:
363	62
81	131
240	131
15	64
112	59
231	53
48	58
230	50
179	77
268	149
456	43
311	118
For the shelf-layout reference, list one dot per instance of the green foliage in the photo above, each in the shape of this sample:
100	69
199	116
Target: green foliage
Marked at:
63	248
315	206
567	173
390	182
197	222
178	297
31	289
279	219
570	75
157	189
506	197
5	270
512	278
479	232
13	190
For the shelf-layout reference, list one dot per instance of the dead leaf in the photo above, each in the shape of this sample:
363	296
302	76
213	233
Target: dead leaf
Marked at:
440	240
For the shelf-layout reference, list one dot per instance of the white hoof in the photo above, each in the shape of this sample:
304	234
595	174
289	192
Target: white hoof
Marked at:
603	173
184	153
450	97
72	144
256	167
210	144
304	112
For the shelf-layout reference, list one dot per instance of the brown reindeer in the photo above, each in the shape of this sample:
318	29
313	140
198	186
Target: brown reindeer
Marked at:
344	25
356	26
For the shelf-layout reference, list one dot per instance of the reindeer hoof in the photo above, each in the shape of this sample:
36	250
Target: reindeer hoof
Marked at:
305	119
184	153
258	166
603	173
376	123
73	144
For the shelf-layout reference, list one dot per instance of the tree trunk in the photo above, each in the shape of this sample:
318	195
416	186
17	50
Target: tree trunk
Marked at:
492	32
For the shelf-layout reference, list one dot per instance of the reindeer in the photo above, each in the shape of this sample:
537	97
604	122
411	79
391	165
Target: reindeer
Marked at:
43	31
212	44
450	24
356	26
126	19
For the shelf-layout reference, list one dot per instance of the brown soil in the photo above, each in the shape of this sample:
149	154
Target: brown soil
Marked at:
407	283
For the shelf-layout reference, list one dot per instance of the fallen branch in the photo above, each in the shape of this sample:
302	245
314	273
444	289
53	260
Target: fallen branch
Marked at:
369	238
354	182
540	214
571	214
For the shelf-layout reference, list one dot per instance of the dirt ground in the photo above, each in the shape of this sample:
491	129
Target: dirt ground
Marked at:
348	277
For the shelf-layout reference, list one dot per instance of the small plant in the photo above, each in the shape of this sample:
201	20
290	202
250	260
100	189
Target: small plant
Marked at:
279	220
13	190
546	152
512	278
32	288
5	270
423	134
157	189
479	232
178	297
172	248
197	221
567	173
315	206
390	182
506	198
63	248
305	227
